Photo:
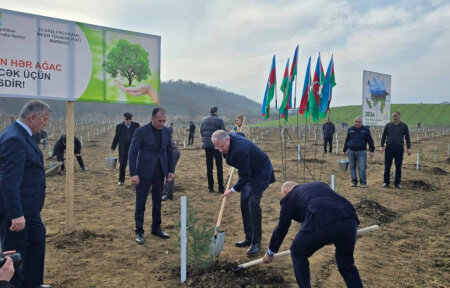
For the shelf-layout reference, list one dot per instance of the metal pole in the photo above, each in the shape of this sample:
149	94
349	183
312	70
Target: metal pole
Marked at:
183	238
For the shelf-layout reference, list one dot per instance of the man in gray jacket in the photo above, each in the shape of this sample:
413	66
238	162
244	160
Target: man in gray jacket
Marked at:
209	125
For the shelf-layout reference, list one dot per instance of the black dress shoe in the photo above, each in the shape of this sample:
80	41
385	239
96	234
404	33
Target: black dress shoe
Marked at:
158	232
221	190
211	190
140	238
385	185
254	249
243	243
166	197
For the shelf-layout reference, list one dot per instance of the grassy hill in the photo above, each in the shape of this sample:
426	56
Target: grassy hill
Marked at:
427	114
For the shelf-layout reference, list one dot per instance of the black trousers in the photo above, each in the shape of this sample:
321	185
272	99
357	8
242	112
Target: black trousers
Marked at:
391	153
30	243
142	190
80	162
191	139
251	215
212	154
342	233
328	140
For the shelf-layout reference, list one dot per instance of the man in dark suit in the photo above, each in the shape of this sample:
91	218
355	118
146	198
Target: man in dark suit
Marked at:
191	130
151	160
60	147
255	174
123	136
22	192
327	218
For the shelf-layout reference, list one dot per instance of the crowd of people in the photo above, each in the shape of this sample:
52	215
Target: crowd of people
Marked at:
326	217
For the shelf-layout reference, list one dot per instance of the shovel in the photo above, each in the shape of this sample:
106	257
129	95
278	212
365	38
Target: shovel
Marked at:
288	252
218	238
51	169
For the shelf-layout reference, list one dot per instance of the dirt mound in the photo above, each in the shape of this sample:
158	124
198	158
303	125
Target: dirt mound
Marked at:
77	238
375	211
439	171
222	275
419	185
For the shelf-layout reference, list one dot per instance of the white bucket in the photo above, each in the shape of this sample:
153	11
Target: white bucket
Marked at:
343	164
111	162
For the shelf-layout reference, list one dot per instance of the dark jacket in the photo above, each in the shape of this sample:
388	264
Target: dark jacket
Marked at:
22	174
328	130
357	139
145	153
59	148
191	129
209	125
312	204
123	137
394	134
254	166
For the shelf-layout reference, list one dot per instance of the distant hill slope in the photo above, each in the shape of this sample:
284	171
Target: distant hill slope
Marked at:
183	100
427	114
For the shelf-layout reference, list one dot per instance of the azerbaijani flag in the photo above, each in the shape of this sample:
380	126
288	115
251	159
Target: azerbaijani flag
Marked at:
314	95
283	110
307	84
270	90
328	85
292	76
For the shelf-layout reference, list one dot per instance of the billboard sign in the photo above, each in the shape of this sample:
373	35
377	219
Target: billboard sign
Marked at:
376	99
49	58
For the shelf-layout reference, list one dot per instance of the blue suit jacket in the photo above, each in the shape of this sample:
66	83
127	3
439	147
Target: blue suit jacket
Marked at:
144	152
253	165
312	204
22	173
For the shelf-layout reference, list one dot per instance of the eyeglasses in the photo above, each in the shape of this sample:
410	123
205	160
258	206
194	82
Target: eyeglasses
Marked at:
221	146
127	119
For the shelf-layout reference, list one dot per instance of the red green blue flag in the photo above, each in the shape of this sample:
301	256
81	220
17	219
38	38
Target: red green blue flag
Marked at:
270	90
306	85
314	95
328	85
284	107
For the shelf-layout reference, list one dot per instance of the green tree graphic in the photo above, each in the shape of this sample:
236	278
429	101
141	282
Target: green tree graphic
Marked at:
128	60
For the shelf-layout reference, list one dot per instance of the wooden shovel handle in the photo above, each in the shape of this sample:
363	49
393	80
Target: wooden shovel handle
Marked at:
288	252
51	169
224	200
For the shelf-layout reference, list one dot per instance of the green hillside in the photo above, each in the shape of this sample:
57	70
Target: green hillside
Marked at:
427	114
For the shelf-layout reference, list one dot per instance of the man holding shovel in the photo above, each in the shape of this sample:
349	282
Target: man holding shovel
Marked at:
255	175
327	218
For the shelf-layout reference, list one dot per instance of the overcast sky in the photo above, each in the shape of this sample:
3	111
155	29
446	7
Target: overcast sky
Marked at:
230	43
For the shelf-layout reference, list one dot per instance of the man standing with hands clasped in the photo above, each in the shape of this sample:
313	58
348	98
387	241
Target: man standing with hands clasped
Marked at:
151	160
123	136
393	135
355	146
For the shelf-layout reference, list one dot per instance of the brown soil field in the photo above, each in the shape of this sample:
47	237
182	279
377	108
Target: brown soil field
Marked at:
411	248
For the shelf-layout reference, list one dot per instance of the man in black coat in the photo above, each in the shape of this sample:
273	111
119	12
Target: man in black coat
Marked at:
255	175
191	130
209	125
394	135
123	136
60	147
328	130
327	218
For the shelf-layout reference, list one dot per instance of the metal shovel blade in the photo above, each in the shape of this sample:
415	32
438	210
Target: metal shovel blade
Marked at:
217	244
